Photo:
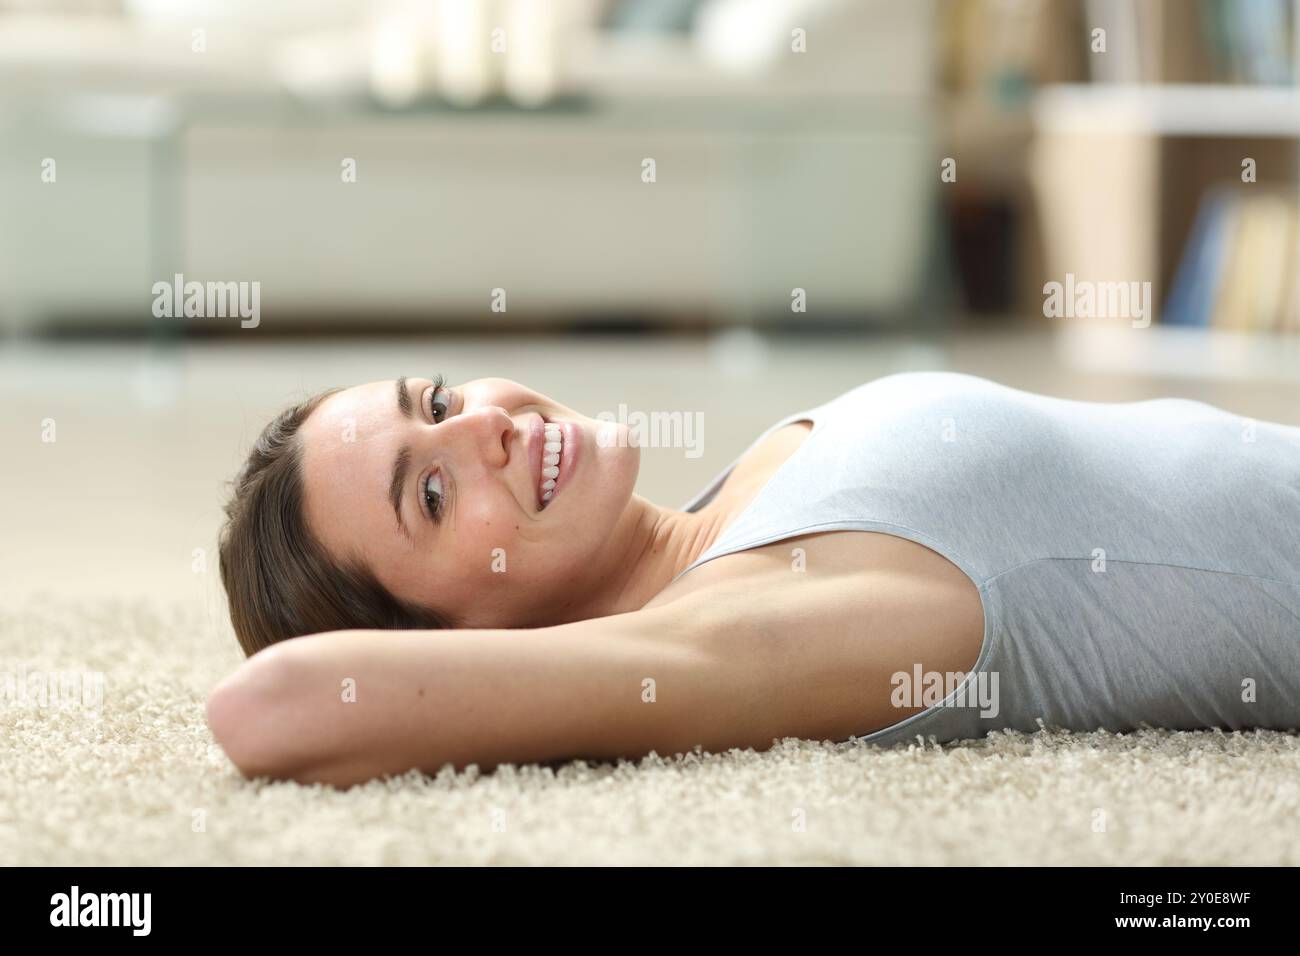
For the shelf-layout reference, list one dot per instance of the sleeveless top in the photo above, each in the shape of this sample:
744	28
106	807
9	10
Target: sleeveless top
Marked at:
1138	562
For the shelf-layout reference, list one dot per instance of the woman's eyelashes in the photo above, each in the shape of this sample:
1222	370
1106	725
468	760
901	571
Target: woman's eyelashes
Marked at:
434	404
433	495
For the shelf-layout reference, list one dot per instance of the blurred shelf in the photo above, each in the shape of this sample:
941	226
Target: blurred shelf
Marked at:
1189	109
1179	352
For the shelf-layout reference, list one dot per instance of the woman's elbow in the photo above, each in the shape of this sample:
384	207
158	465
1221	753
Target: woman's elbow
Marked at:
247	712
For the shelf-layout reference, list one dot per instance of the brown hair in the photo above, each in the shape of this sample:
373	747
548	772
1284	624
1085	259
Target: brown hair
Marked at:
279	581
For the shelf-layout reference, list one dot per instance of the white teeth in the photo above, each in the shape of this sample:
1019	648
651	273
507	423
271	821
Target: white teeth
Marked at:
552	449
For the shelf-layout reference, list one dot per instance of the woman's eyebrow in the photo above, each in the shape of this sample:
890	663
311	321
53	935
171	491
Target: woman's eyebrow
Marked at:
400	466
403	460
404	404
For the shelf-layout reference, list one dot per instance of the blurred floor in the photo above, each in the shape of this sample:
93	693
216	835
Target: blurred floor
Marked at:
147	438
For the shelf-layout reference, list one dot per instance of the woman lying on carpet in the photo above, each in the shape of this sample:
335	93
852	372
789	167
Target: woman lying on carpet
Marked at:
929	555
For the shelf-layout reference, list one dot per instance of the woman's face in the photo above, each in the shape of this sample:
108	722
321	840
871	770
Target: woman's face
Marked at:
379	460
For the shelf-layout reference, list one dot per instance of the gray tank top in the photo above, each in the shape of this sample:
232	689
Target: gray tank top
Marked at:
1138	563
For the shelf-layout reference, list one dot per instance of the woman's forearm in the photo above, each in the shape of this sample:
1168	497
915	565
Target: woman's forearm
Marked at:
347	706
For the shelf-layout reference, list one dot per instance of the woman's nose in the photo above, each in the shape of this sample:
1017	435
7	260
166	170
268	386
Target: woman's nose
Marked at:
493	432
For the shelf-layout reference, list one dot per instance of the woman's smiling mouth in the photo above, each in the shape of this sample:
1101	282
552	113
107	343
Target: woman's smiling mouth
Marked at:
552	452
553	457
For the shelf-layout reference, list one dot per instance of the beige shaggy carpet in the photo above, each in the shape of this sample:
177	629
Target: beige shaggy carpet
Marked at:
129	774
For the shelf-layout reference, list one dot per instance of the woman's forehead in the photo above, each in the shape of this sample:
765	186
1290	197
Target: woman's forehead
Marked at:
345	423
371	400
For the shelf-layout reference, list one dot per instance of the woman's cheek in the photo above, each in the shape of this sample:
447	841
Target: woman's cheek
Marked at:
490	546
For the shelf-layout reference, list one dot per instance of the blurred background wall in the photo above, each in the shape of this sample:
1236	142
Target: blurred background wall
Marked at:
503	144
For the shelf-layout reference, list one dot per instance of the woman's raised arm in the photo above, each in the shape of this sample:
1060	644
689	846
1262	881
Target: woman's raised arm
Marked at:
346	706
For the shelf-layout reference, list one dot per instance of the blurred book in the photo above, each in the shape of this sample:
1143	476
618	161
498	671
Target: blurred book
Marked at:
1264	39
1248	41
1238	269
1188	41
1196	283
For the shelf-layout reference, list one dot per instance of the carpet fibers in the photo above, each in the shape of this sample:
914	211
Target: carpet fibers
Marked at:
116	766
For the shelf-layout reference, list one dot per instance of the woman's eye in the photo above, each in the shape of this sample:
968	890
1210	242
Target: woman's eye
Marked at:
433	494
435	405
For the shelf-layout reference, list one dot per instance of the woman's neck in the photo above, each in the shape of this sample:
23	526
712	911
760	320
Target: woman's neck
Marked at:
649	547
